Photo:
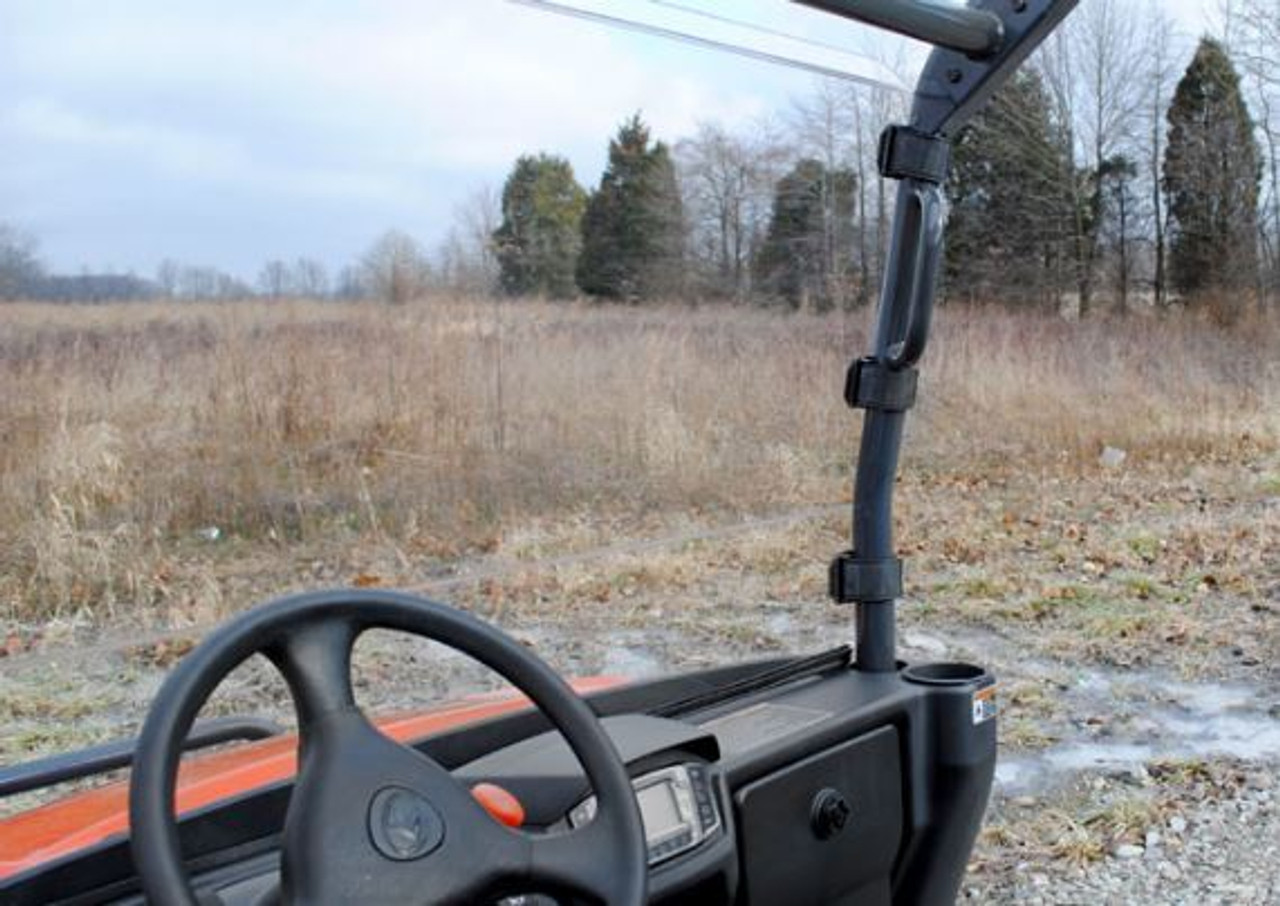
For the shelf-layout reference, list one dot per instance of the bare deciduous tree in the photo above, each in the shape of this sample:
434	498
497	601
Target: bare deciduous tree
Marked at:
197	282
1110	60
826	131
873	109
20	267
727	181
310	278
395	269
476	219
1257	37
1157	82
465	260
351	283
275	280
1092	68
167	275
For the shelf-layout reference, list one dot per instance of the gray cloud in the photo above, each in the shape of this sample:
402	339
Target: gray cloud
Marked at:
229	132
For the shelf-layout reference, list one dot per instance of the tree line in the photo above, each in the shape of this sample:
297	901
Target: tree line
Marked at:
1105	174
1118	169
395	268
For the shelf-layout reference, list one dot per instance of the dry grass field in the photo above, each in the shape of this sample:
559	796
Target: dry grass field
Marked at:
128	433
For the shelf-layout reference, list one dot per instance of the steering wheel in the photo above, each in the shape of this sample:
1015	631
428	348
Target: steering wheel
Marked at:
369	819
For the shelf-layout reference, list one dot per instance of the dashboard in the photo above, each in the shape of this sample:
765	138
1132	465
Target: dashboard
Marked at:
776	783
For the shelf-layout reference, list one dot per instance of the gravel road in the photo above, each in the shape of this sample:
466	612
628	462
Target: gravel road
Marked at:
1224	851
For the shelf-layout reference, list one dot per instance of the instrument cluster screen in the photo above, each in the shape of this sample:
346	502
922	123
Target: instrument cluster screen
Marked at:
676	805
659	811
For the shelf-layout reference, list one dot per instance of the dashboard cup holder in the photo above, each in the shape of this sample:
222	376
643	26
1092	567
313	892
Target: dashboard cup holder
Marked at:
945	673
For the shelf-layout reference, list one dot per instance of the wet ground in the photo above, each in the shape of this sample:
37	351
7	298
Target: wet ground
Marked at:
1150	718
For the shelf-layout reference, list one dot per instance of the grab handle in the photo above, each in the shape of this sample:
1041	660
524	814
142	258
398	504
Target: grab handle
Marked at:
915	276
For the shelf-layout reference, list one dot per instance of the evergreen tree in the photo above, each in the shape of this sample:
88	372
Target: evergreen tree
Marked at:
540	236
633	230
1013	222
1211	173
808	246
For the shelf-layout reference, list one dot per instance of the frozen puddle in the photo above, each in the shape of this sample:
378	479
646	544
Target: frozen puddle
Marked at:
1164	720
631	654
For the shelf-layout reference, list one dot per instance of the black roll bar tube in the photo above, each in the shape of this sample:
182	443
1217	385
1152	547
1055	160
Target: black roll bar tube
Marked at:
968	31
979	47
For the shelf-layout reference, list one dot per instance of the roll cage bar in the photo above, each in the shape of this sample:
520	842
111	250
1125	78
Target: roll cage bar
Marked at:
977	49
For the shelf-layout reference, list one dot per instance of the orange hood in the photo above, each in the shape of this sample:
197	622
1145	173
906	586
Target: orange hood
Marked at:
66	826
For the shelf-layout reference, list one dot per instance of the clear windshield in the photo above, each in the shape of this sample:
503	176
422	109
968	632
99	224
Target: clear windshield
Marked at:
776	32
248	408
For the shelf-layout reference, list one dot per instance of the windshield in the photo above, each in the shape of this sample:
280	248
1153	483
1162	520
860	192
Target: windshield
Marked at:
779	33
265	342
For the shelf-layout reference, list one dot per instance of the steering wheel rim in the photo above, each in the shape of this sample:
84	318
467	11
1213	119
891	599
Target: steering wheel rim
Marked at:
345	762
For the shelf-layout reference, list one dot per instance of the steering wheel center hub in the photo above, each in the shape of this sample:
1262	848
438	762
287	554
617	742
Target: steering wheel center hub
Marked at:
403	825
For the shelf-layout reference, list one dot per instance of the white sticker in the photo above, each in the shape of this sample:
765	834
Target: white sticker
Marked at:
984	704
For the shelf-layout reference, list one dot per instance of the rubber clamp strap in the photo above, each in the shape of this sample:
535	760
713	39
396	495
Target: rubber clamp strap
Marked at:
854	580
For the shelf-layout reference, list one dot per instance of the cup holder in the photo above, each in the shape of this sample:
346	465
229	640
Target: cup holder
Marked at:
944	674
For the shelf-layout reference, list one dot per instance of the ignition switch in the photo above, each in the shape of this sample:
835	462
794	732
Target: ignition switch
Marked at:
829	813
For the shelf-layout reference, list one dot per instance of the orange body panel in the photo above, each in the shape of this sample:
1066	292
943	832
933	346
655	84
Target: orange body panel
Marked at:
69	825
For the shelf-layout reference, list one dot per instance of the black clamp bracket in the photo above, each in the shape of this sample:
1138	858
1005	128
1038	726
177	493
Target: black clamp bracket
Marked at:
864	581
870	384
907	153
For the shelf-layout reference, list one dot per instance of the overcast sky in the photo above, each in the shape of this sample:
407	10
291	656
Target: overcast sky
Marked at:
226	132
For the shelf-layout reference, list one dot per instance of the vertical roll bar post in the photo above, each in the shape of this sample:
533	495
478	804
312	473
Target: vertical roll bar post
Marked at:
979	47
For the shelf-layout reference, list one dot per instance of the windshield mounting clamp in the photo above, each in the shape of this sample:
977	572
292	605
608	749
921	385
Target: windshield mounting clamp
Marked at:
870	384
855	580
908	153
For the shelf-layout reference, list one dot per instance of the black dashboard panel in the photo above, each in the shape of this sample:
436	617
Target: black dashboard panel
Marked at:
805	776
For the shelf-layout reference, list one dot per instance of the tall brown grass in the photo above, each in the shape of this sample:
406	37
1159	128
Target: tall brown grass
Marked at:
126	430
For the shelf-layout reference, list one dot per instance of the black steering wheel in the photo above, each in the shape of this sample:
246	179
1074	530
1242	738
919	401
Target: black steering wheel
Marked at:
371	820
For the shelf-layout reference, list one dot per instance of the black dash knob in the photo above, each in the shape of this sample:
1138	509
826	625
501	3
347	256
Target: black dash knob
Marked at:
829	813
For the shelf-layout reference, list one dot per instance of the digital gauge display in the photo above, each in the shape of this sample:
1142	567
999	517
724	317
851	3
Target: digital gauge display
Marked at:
659	811
676	805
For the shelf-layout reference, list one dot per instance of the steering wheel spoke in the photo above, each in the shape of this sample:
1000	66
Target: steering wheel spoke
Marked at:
578	862
315	661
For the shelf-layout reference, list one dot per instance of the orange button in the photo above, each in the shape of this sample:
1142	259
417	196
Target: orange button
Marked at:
502	805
